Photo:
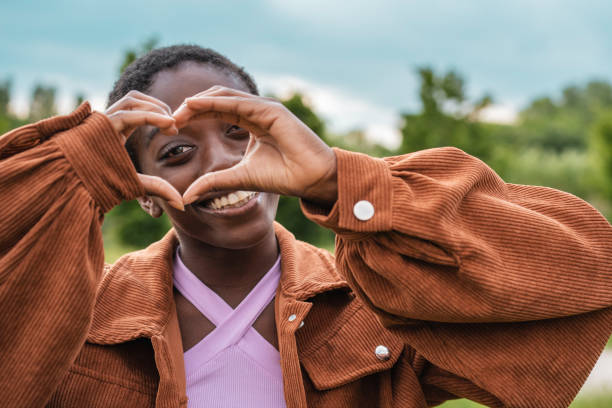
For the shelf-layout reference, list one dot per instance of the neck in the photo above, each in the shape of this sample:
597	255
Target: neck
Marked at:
229	270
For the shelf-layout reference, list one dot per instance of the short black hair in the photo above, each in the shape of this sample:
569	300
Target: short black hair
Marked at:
139	74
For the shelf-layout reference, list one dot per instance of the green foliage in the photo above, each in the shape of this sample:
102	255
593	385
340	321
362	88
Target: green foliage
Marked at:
133	227
300	108
564	124
601	149
5	96
8	120
446	118
42	104
131	54
79	98
564	144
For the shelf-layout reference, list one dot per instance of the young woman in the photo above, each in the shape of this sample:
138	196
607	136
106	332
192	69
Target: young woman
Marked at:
447	282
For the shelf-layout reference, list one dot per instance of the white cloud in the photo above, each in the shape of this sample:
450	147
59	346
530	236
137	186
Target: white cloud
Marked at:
341	110
499	113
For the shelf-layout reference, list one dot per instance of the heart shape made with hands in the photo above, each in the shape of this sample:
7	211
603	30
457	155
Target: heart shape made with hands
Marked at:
283	155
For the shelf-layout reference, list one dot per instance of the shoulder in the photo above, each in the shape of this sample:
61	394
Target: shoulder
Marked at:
135	294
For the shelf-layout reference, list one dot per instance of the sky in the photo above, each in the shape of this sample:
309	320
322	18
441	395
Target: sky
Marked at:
355	60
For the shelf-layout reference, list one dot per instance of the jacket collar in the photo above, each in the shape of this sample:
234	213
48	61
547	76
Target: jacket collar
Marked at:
134	298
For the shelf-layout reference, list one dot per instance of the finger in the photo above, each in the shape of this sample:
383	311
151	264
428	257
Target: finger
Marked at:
251	109
210	91
130	103
190	107
252	141
234	178
170	131
219	90
157	186
122	120
148	98
189	115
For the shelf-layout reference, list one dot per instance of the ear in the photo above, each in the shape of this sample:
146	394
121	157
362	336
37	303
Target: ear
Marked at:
150	206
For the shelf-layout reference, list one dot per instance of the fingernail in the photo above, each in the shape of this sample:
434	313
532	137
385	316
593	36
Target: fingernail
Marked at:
177	204
189	199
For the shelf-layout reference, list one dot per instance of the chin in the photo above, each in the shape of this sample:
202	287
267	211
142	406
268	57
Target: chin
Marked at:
237	241
229	233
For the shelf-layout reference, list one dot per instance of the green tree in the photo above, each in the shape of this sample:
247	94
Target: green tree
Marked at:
446	118
601	149
563	123
131	54
8	120
79	98
42	104
5	96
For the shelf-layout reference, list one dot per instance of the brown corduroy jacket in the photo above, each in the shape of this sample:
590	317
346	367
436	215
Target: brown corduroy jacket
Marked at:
481	289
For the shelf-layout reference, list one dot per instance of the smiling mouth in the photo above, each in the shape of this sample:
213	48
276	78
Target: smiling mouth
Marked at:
235	199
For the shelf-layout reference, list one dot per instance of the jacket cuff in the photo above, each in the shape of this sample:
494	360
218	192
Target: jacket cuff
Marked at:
97	154
365	196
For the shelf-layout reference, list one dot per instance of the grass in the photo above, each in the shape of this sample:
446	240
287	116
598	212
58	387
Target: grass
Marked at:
592	401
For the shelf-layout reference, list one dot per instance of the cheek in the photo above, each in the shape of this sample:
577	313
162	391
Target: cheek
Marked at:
180	177
180	180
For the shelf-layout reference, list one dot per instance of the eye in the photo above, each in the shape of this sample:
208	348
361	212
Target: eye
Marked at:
175	151
236	132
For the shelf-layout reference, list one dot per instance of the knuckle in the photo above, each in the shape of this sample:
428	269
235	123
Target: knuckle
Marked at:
128	101
123	112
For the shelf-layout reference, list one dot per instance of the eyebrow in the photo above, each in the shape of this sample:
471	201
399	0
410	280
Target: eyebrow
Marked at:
150	136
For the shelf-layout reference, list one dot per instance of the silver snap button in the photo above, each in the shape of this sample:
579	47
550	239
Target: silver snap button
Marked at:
382	353
301	324
292	317
363	210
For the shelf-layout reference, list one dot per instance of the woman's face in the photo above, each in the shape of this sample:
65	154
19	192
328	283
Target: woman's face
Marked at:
204	145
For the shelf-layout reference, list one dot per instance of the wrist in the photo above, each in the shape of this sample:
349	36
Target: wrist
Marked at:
325	192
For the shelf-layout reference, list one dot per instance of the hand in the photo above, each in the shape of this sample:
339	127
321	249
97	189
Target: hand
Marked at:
283	156
136	109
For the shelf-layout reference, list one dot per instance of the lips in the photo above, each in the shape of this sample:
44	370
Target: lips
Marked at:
232	203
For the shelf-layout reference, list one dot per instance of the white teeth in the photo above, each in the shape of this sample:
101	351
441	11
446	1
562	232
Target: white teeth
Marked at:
232	198
235	199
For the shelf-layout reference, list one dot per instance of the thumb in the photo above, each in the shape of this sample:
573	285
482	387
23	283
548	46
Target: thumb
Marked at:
234	178
157	186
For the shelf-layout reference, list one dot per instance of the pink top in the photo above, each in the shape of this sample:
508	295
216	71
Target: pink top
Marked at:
234	366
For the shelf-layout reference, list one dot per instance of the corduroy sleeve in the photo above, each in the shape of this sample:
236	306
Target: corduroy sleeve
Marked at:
506	285
57	179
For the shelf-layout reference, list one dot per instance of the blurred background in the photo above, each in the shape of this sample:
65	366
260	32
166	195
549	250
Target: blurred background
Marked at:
525	86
